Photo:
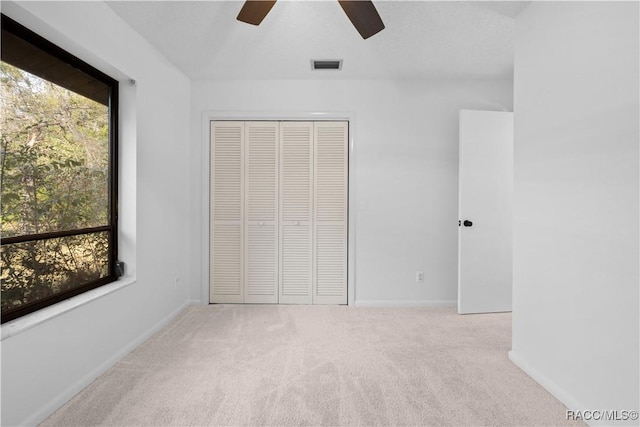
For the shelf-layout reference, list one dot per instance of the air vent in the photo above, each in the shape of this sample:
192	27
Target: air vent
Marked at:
333	64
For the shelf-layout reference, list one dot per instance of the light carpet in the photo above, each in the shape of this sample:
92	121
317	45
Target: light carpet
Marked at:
278	365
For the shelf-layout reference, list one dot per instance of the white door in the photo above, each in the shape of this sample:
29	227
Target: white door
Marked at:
261	225
485	212
279	212
227	212
296	212
330	207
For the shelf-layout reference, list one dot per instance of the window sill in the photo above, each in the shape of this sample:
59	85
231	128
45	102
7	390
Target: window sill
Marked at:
27	322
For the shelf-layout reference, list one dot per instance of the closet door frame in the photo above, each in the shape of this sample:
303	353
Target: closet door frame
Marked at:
202	265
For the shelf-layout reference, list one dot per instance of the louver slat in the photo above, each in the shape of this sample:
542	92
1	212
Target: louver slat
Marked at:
296	264
262	264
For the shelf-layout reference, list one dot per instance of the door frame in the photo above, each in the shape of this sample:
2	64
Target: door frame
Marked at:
205	166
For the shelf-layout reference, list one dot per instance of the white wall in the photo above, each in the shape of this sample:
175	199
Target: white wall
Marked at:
406	161
575	307
45	365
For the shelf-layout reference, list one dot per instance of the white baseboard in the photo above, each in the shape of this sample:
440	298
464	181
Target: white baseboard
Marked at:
81	384
566	398
406	303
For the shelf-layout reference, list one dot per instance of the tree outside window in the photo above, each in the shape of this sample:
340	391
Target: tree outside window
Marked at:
57	176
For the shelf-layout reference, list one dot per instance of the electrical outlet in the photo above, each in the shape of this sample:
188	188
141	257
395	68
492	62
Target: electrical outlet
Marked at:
419	276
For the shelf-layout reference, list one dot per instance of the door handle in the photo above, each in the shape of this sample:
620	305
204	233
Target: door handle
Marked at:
467	223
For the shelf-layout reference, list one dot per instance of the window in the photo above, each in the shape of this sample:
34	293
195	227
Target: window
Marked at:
58	173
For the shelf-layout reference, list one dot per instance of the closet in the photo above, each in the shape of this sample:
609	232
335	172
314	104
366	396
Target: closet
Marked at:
278	212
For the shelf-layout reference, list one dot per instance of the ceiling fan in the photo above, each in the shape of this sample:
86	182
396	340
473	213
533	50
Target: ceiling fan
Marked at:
362	13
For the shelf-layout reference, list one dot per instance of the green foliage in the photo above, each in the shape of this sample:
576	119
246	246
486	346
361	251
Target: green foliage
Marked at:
35	270
54	169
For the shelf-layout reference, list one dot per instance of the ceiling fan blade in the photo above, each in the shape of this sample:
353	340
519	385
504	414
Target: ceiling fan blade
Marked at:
254	11
363	16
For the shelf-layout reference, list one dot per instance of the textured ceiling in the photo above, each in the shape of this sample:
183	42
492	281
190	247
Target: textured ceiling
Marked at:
422	39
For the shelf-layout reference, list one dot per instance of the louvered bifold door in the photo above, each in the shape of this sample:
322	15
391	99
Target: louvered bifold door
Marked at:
261	225
330	222
296	212
227	212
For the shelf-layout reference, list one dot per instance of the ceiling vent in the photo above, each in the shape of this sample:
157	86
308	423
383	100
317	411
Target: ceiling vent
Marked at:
326	64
